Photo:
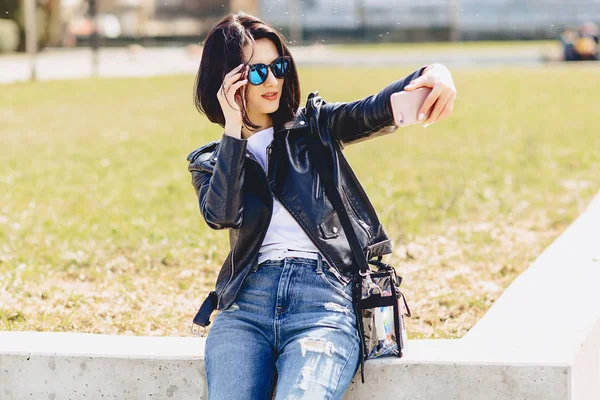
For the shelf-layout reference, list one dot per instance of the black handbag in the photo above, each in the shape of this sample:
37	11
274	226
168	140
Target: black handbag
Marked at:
379	304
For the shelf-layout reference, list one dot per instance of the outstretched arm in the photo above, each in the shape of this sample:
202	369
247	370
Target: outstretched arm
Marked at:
372	116
355	121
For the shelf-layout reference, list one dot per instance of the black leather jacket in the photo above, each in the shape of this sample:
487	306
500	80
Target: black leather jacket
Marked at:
235	193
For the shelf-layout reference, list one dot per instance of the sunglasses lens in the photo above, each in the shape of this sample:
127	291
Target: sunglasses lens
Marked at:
281	67
257	74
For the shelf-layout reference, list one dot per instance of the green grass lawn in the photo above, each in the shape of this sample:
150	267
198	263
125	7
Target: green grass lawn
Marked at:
100	229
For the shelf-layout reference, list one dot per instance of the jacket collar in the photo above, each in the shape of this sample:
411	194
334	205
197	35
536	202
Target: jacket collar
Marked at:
299	120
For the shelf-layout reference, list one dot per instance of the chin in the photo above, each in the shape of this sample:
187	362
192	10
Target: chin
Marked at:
271	108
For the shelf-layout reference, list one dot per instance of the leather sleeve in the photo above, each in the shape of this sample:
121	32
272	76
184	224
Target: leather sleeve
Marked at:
370	117
218	183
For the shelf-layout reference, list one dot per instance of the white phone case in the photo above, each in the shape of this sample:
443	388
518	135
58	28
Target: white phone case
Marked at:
406	105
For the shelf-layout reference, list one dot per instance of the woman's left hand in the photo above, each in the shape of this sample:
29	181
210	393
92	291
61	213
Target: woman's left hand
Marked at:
439	79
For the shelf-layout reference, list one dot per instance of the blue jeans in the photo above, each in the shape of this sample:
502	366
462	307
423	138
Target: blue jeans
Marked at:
291	329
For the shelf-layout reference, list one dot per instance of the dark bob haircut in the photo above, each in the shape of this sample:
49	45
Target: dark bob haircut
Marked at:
222	52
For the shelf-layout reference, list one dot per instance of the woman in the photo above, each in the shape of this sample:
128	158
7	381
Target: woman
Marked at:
287	320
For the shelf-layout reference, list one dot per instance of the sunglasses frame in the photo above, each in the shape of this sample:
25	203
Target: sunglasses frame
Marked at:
269	67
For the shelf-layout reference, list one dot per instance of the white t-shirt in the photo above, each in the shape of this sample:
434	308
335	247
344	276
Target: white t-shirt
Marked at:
283	232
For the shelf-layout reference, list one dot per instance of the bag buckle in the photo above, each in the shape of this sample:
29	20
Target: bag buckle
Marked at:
198	330
367	257
372	287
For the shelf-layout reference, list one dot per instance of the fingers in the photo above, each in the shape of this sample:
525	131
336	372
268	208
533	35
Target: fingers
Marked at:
230	100
232	95
440	104
236	86
422	81
414	84
234	71
431	98
447	110
440	100
231	77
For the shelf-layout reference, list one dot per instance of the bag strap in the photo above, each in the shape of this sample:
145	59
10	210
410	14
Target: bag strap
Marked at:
319	156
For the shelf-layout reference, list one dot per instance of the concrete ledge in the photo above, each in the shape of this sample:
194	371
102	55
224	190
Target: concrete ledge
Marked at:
65	365
539	341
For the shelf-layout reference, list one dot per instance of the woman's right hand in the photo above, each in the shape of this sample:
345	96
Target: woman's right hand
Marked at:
229	98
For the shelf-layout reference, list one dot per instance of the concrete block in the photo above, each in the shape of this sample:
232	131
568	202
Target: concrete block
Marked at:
65	365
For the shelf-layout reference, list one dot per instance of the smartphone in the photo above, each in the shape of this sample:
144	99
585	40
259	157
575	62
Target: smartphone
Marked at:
406	105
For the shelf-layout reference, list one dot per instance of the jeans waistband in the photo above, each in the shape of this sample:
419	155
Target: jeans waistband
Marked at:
280	254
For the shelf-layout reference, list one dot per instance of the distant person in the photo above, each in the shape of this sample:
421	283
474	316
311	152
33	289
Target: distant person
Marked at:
286	290
580	44
587	43
567	39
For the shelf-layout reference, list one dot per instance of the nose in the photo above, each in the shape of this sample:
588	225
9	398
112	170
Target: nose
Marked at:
271	80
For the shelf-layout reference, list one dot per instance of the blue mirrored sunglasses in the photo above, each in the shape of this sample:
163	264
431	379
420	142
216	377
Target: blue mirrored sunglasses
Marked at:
258	73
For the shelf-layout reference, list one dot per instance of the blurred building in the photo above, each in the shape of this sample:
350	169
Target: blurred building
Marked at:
145	18
413	20
348	20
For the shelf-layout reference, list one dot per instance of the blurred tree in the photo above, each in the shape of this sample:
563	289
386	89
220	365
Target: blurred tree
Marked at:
9	36
47	20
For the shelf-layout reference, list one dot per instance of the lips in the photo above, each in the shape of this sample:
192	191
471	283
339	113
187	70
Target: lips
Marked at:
270	95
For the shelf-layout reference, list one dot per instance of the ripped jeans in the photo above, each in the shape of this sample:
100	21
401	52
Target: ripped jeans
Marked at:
290	334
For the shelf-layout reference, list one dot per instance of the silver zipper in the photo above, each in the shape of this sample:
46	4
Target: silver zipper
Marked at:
365	226
269	152
317	189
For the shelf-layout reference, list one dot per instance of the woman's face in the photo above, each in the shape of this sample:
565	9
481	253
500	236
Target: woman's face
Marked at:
256	105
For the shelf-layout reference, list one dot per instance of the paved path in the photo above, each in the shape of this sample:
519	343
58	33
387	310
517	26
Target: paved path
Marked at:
77	63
